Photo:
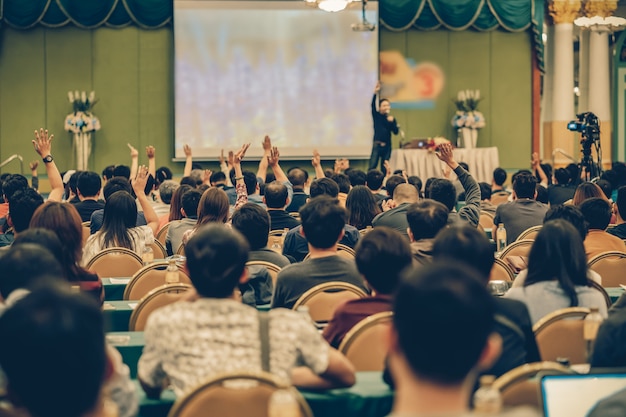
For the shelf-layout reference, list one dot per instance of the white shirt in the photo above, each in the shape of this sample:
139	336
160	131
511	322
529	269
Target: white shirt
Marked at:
140	237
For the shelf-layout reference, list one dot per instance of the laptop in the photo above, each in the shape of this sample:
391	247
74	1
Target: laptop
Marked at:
576	395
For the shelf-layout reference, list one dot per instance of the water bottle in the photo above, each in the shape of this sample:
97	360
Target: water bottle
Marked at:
147	255
500	238
487	399
171	274
592	323
282	403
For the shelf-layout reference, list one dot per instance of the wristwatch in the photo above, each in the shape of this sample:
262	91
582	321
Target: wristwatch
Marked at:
47	159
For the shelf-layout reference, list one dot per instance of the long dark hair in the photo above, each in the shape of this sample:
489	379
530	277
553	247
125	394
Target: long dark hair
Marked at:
558	254
213	207
120	214
362	207
177	202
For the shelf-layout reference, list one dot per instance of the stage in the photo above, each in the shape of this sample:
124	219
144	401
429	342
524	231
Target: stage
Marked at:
425	164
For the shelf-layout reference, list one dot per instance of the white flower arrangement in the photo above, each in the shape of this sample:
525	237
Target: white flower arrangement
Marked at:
82	119
467	115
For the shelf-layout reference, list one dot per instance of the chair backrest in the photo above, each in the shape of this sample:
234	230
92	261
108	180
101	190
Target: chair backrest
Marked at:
234	395
323	299
150	277
517	248
276	239
560	335
611	266
158	250
364	345
486	220
157	298
345	251
365	231
530	233
272	269
162	233
499	198
115	262
520	386
501	271
607	297
181	250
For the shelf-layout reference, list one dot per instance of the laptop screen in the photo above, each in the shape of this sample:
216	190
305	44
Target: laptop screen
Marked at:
576	395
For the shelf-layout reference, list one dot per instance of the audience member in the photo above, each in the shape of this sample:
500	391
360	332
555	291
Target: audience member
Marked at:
276	198
374	181
381	256
88	186
523	212
212	208
585	191
512	321
561	190
113	185
619	208
416	182
298	178
187	342
166	190
361	206
485	199
356	176
395	214
557	273
425	220
22	205
190	202
323	222
542	194
343	182
597	212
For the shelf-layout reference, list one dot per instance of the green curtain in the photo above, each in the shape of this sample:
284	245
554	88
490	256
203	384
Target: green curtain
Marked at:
481	15
395	15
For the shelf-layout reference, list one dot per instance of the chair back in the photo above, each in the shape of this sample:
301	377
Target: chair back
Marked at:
364	345
234	395
499	198
158	250
560	335
611	266
517	248
157	298
162	233
323	299
486	220
345	251
181	250
276	239
115	262
607	297
150	277
272	269
530	233
520	386
501	271
365	231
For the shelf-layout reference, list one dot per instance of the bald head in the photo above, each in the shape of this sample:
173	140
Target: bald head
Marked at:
276	194
405	193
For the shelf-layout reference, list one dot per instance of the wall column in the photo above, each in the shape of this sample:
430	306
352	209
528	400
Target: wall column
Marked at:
563	13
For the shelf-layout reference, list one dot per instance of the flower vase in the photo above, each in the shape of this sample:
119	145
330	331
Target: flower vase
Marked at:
469	137
82	149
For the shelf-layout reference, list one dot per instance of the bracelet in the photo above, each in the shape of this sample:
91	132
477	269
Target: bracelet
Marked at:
238	178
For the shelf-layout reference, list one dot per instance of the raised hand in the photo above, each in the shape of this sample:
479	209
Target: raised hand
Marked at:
273	157
33	165
231	158
150	152
42	142
222	159
445	153
140	180
238	157
134	153
316	160
206	176
186	150
387	168
377	88
267	144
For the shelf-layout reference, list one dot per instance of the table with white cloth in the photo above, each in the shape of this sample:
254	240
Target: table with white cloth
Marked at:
425	164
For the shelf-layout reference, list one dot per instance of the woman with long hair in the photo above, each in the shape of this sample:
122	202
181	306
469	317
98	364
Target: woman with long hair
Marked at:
557	273
361	206
213	208
63	219
119	223
585	191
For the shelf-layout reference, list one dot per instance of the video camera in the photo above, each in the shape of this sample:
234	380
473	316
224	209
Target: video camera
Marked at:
588	125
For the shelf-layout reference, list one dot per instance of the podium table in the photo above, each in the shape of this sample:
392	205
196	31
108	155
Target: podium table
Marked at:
425	164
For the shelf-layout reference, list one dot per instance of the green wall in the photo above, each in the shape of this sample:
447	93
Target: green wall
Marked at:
497	63
131	71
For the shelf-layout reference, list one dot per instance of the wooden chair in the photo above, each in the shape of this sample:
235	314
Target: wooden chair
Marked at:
323	299
611	266
157	298
607	297
150	277
115	262
499	198
365	231
520	386
181	250
501	271
517	248
344	251
295	214
276	240
530	233
86	231
158	250
486	220
560	335
364	345
234	395
273	269
162	233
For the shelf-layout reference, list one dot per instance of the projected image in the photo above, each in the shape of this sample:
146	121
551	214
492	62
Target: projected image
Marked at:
247	69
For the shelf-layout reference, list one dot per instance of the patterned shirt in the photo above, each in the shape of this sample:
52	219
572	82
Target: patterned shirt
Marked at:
188	342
